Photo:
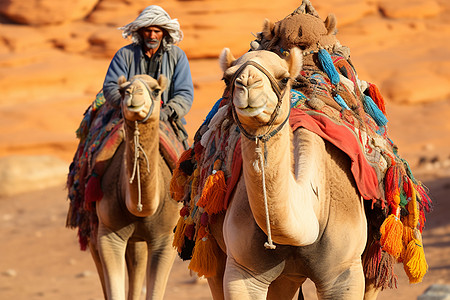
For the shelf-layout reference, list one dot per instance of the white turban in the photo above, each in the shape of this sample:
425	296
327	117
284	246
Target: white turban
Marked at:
154	15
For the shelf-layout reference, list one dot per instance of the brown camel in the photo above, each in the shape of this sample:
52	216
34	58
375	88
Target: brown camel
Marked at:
136	214
296	212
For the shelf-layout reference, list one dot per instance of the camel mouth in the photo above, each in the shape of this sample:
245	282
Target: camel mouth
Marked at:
250	111
135	108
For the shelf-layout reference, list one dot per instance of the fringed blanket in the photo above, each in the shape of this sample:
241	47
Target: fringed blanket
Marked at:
350	115
100	134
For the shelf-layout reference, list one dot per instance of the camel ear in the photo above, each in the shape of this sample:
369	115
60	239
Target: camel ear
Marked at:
330	23
295	62
226	59
268	30
162	81
121	80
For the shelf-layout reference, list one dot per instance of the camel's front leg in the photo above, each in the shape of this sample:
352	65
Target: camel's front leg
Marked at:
136	258
240	283
161	258
111	247
348	285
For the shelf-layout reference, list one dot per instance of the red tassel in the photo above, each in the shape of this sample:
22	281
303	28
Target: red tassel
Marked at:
376	96
93	191
386	277
373	260
392	183
423	195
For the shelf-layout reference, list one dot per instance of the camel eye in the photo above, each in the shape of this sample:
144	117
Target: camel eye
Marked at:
156	92
284	81
226	80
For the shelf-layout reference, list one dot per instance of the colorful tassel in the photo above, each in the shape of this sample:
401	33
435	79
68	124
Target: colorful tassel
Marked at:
414	261
214	190
376	96
392	234
194	184
341	102
178	184
373	260
189	230
204	257
386	277
93	191
178	238
372	109
328	66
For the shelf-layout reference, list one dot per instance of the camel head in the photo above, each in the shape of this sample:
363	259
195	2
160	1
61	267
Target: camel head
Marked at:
259	83
141	97
303	30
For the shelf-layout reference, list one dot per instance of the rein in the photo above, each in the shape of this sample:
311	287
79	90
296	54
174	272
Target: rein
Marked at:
138	148
280	92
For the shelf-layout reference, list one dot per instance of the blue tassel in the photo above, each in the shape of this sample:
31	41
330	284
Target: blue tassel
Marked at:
213	112
328	66
341	102
372	109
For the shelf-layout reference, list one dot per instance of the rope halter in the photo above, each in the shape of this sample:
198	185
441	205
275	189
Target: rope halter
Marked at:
138	147
262	138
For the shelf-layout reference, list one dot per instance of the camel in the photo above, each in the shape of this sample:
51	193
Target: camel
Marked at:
296	212
136	214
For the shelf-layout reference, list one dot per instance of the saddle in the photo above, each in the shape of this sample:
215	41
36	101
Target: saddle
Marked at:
101	133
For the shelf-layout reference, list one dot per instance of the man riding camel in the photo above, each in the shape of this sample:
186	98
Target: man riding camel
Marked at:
153	52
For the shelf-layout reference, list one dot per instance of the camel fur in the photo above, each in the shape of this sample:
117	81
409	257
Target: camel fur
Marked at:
136	214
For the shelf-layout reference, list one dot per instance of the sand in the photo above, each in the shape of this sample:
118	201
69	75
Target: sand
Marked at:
48	79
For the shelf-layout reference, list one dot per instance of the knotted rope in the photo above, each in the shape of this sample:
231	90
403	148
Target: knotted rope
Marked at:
136	169
269	244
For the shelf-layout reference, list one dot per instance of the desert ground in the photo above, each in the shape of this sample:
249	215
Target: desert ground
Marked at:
53	57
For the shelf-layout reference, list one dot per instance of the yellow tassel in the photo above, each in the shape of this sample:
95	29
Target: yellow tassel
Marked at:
178	238
204	256
391	235
214	191
414	262
413	217
177	184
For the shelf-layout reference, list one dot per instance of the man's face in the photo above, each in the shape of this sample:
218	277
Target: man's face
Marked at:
152	36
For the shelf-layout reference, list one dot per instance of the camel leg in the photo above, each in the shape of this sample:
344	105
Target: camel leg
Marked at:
136	259
98	264
283	288
348	285
216	282
371	292
161	258
240	283
111	247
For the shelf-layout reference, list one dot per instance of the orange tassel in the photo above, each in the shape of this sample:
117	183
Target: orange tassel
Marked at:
184	156
391	234
213	195
179	178
414	262
194	184
204	256
178	238
177	184
376	96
